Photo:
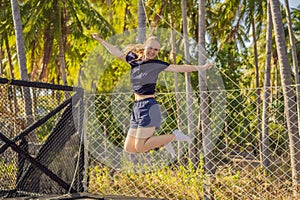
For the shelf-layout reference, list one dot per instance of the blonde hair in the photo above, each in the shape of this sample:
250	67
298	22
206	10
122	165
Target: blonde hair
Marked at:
138	49
151	38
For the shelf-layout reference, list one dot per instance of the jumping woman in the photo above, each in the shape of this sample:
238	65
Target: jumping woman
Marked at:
146	114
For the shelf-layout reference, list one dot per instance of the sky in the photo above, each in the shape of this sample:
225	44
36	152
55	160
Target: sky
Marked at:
294	3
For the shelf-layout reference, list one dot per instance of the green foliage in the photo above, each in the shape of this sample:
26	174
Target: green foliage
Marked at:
109	124
187	182
183	182
7	168
81	18
46	24
91	67
8	172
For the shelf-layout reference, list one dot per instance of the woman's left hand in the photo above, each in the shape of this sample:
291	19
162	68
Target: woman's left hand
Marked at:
96	37
206	66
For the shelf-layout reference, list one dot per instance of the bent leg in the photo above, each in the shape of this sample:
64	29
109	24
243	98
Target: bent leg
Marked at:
143	144
129	144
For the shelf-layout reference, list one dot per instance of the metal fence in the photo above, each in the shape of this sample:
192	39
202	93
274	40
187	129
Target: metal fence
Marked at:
41	148
235	126
235	141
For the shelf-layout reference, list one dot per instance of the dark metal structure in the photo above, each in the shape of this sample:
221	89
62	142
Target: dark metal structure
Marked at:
54	164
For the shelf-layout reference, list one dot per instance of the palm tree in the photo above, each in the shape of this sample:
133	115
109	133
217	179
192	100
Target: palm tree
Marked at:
265	152
189	99
59	29
204	120
141	22
20	39
289	94
24	76
294	55
22	61
257	86
62	40
176	88
6	27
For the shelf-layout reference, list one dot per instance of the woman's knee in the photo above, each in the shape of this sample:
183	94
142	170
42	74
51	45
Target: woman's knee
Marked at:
140	145
129	149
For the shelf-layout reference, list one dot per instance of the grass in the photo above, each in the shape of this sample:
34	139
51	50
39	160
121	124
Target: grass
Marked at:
187	183
181	182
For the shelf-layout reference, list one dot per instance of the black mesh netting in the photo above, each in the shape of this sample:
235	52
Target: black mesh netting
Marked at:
41	139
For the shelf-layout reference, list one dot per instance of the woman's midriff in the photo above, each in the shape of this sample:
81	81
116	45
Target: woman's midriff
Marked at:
138	97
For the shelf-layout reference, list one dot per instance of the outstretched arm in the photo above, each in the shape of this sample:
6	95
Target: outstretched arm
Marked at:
110	48
188	68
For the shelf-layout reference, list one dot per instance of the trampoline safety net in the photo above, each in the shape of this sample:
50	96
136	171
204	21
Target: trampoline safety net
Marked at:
41	139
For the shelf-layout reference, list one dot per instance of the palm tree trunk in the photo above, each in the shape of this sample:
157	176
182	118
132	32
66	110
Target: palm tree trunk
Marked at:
110	14
294	56
289	93
1	57
33	66
126	11
207	142
258	100
265	151
20	39
11	68
22	62
48	43
188	84
141	22
177	98
24	76
62	36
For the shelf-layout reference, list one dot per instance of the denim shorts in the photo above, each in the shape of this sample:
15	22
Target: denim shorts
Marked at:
145	113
